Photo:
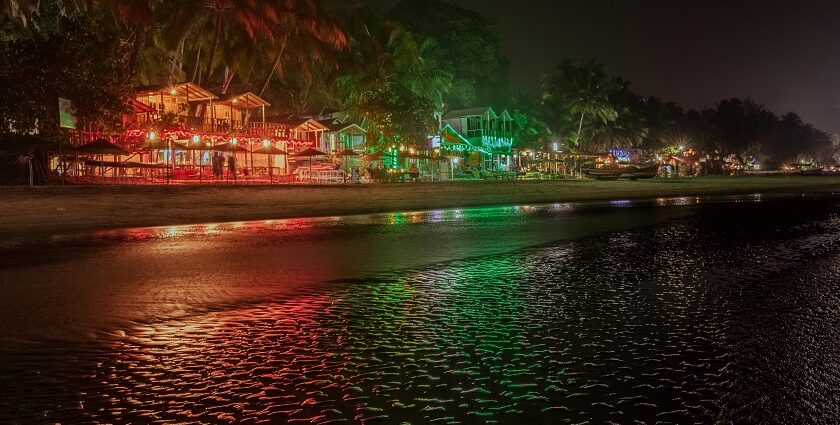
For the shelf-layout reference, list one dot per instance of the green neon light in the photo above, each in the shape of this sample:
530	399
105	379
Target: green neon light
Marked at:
497	143
464	148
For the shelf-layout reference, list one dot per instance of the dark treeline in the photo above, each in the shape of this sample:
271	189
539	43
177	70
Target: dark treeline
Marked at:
391	73
592	111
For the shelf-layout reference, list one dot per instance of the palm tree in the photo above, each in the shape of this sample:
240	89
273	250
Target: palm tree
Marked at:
425	79
582	89
306	32
194	20
389	58
630	126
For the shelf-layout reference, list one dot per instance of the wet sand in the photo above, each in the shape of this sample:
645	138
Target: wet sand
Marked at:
70	209
672	311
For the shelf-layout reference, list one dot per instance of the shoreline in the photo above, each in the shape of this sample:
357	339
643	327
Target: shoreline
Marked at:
74	209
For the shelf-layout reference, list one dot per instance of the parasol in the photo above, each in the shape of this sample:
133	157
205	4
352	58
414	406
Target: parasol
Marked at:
229	147
270	150
344	154
310	152
372	157
101	147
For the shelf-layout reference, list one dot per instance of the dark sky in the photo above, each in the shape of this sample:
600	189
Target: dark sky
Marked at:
694	52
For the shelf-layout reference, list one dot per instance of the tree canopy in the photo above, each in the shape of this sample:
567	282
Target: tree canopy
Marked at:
390	73
82	58
469	48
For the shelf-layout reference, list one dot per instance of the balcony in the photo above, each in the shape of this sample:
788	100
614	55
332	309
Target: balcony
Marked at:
221	126
481	133
469	134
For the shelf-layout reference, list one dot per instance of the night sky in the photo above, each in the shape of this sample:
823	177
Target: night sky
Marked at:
784	54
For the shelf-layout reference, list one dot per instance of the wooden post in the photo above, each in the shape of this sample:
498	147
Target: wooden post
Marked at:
31	177
171	163
188	106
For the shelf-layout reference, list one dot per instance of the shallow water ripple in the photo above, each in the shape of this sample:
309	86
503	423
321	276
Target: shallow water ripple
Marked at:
699	320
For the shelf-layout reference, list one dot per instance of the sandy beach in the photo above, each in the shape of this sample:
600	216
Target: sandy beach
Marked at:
70	209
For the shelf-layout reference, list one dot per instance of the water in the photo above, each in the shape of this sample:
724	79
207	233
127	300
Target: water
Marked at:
674	311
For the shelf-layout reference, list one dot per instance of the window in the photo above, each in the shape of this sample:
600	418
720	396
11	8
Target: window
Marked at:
473	123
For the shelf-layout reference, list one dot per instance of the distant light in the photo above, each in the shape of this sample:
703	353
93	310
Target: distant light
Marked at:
195	138
151	135
266	143
173	92
233	141
682	147
554	146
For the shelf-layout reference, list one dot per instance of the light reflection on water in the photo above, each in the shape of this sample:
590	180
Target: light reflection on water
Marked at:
726	314
500	214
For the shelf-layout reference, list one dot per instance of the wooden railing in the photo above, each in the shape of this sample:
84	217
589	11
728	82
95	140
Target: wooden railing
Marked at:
491	133
225	126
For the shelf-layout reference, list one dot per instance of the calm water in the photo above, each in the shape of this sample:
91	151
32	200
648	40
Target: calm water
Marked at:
674	311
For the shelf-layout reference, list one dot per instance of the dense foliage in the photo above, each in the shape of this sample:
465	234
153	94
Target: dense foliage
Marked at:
391	74
469	49
591	112
80	58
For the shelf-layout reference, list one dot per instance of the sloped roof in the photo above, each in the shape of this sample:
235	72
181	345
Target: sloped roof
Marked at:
294	121
469	112
247	100
336	126
188	89
140	107
449	135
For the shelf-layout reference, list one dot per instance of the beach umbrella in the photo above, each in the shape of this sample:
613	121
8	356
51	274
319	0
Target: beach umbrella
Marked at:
372	157
160	144
229	147
310	152
102	147
192	145
345	154
270	150
152	145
